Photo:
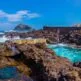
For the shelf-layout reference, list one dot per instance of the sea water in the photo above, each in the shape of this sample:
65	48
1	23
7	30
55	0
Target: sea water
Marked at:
71	53
8	72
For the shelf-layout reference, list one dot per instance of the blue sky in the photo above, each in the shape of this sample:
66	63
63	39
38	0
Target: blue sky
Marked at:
38	13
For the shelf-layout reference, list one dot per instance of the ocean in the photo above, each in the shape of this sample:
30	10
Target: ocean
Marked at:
71	53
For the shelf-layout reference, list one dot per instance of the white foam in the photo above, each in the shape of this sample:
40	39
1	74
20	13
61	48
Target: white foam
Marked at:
3	39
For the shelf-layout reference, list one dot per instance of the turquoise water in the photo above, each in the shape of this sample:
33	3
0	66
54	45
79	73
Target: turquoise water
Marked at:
73	54
8	72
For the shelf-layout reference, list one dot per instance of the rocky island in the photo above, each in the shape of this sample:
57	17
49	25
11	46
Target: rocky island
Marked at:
22	27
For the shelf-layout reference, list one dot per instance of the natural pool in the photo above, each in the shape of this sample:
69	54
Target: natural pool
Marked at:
12	73
73	54
8	72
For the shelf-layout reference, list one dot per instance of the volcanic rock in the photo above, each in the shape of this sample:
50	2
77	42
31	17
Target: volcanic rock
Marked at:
40	63
47	65
22	27
77	64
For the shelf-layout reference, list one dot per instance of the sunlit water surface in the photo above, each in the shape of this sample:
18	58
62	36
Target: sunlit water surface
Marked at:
71	53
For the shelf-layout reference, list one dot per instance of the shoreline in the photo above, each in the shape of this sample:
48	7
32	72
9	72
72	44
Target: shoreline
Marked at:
68	45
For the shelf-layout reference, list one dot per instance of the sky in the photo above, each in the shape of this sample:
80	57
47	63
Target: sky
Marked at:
39	13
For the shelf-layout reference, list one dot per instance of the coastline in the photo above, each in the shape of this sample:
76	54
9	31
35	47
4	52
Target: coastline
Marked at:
38	60
64	44
32	56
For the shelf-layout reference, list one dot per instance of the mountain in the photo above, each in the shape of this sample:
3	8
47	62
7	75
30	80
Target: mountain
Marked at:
22	27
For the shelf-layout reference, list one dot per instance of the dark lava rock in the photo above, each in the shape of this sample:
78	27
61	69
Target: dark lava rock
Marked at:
77	64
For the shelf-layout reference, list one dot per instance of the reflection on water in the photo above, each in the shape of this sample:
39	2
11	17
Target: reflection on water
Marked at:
73	54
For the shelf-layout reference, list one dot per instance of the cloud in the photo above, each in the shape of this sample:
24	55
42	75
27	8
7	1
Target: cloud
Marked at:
6	26
18	16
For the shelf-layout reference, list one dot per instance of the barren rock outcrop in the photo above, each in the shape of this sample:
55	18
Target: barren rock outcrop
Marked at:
39	63
47	65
